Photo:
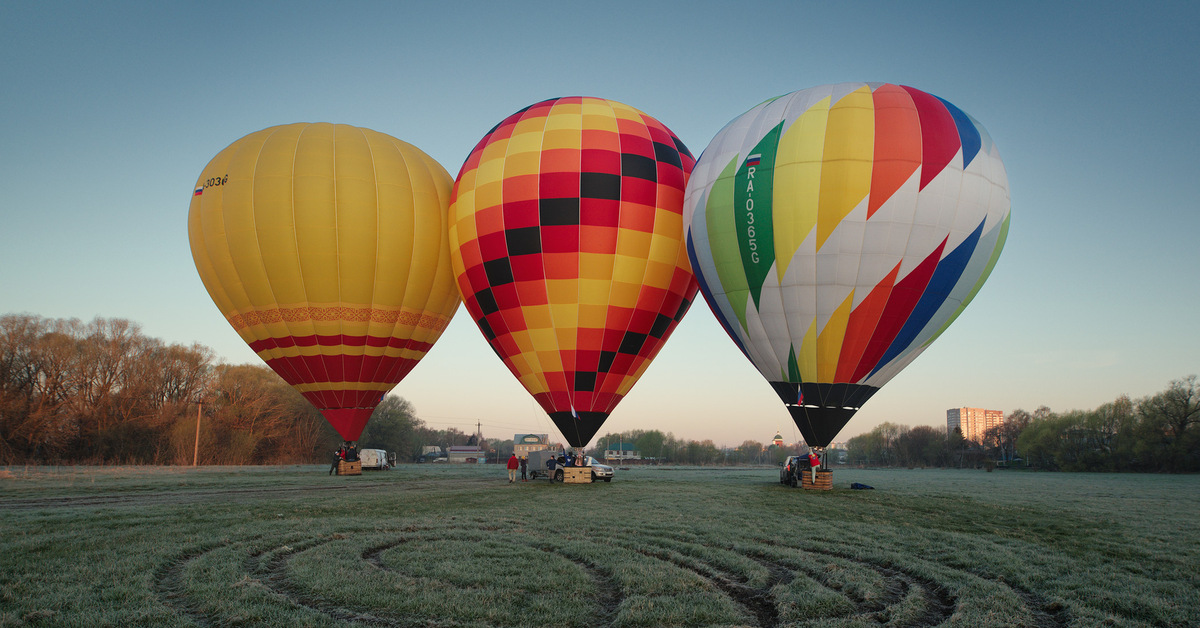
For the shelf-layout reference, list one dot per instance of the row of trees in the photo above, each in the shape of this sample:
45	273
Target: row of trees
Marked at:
1159	433
102	392
667	448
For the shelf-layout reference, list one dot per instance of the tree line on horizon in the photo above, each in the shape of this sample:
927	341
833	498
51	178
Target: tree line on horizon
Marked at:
105	393
1157	433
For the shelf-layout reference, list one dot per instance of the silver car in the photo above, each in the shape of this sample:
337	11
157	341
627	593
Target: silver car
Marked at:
600	471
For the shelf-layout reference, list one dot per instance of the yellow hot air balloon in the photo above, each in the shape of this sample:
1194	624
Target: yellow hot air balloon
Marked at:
325	246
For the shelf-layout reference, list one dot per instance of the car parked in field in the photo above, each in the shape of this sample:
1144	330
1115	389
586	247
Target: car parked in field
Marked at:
791	468
537	467
600	471
377	459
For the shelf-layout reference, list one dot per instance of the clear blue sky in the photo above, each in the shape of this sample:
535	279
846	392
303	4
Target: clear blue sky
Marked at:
109	111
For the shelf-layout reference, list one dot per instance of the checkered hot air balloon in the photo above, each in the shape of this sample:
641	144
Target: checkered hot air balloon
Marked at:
837	231
566	236
324	246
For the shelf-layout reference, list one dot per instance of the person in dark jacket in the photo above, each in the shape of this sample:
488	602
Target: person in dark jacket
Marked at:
338	456
524	468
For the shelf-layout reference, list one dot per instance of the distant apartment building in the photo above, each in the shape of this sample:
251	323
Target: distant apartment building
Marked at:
524	444
973	422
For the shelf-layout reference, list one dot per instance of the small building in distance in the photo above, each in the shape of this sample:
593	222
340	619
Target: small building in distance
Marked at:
778	440
470	454
973	422
620	452
524	444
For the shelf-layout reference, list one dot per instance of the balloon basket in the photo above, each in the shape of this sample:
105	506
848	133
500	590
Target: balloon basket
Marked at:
349	468
577	475
824	481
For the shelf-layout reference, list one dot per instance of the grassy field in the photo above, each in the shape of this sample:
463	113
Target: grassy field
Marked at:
438	545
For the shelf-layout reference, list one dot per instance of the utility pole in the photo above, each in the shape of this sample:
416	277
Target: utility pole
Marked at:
196	450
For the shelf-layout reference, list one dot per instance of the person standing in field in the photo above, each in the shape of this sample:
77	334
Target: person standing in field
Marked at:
512	468
338	456
813	462
524	468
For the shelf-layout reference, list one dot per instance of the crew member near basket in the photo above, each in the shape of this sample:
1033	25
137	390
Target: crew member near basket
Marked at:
513	463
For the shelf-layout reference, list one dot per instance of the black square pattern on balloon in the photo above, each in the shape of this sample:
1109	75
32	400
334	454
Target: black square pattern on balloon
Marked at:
523	240
486	301
585	381
683	150
640	166
661	325
606	360
499	272
486	328
683	308
632	342
603	185
558	211
667	154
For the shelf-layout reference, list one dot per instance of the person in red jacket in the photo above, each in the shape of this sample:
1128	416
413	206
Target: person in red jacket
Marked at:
513	463
814	461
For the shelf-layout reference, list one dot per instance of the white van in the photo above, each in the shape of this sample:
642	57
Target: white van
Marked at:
375	459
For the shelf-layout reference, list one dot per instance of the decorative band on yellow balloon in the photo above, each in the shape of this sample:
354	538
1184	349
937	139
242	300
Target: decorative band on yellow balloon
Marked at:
325	248
423	320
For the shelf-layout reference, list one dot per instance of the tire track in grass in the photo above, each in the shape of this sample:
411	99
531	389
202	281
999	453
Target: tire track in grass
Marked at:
940	602
757	602
169	588
760	602
270	573
1044	614
608	595
894	595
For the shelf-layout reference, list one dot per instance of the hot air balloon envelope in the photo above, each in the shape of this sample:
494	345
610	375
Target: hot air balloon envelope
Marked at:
566	232
837	231
325	247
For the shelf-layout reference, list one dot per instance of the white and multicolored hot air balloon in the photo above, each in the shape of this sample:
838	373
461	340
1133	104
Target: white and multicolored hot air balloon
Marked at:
837	231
